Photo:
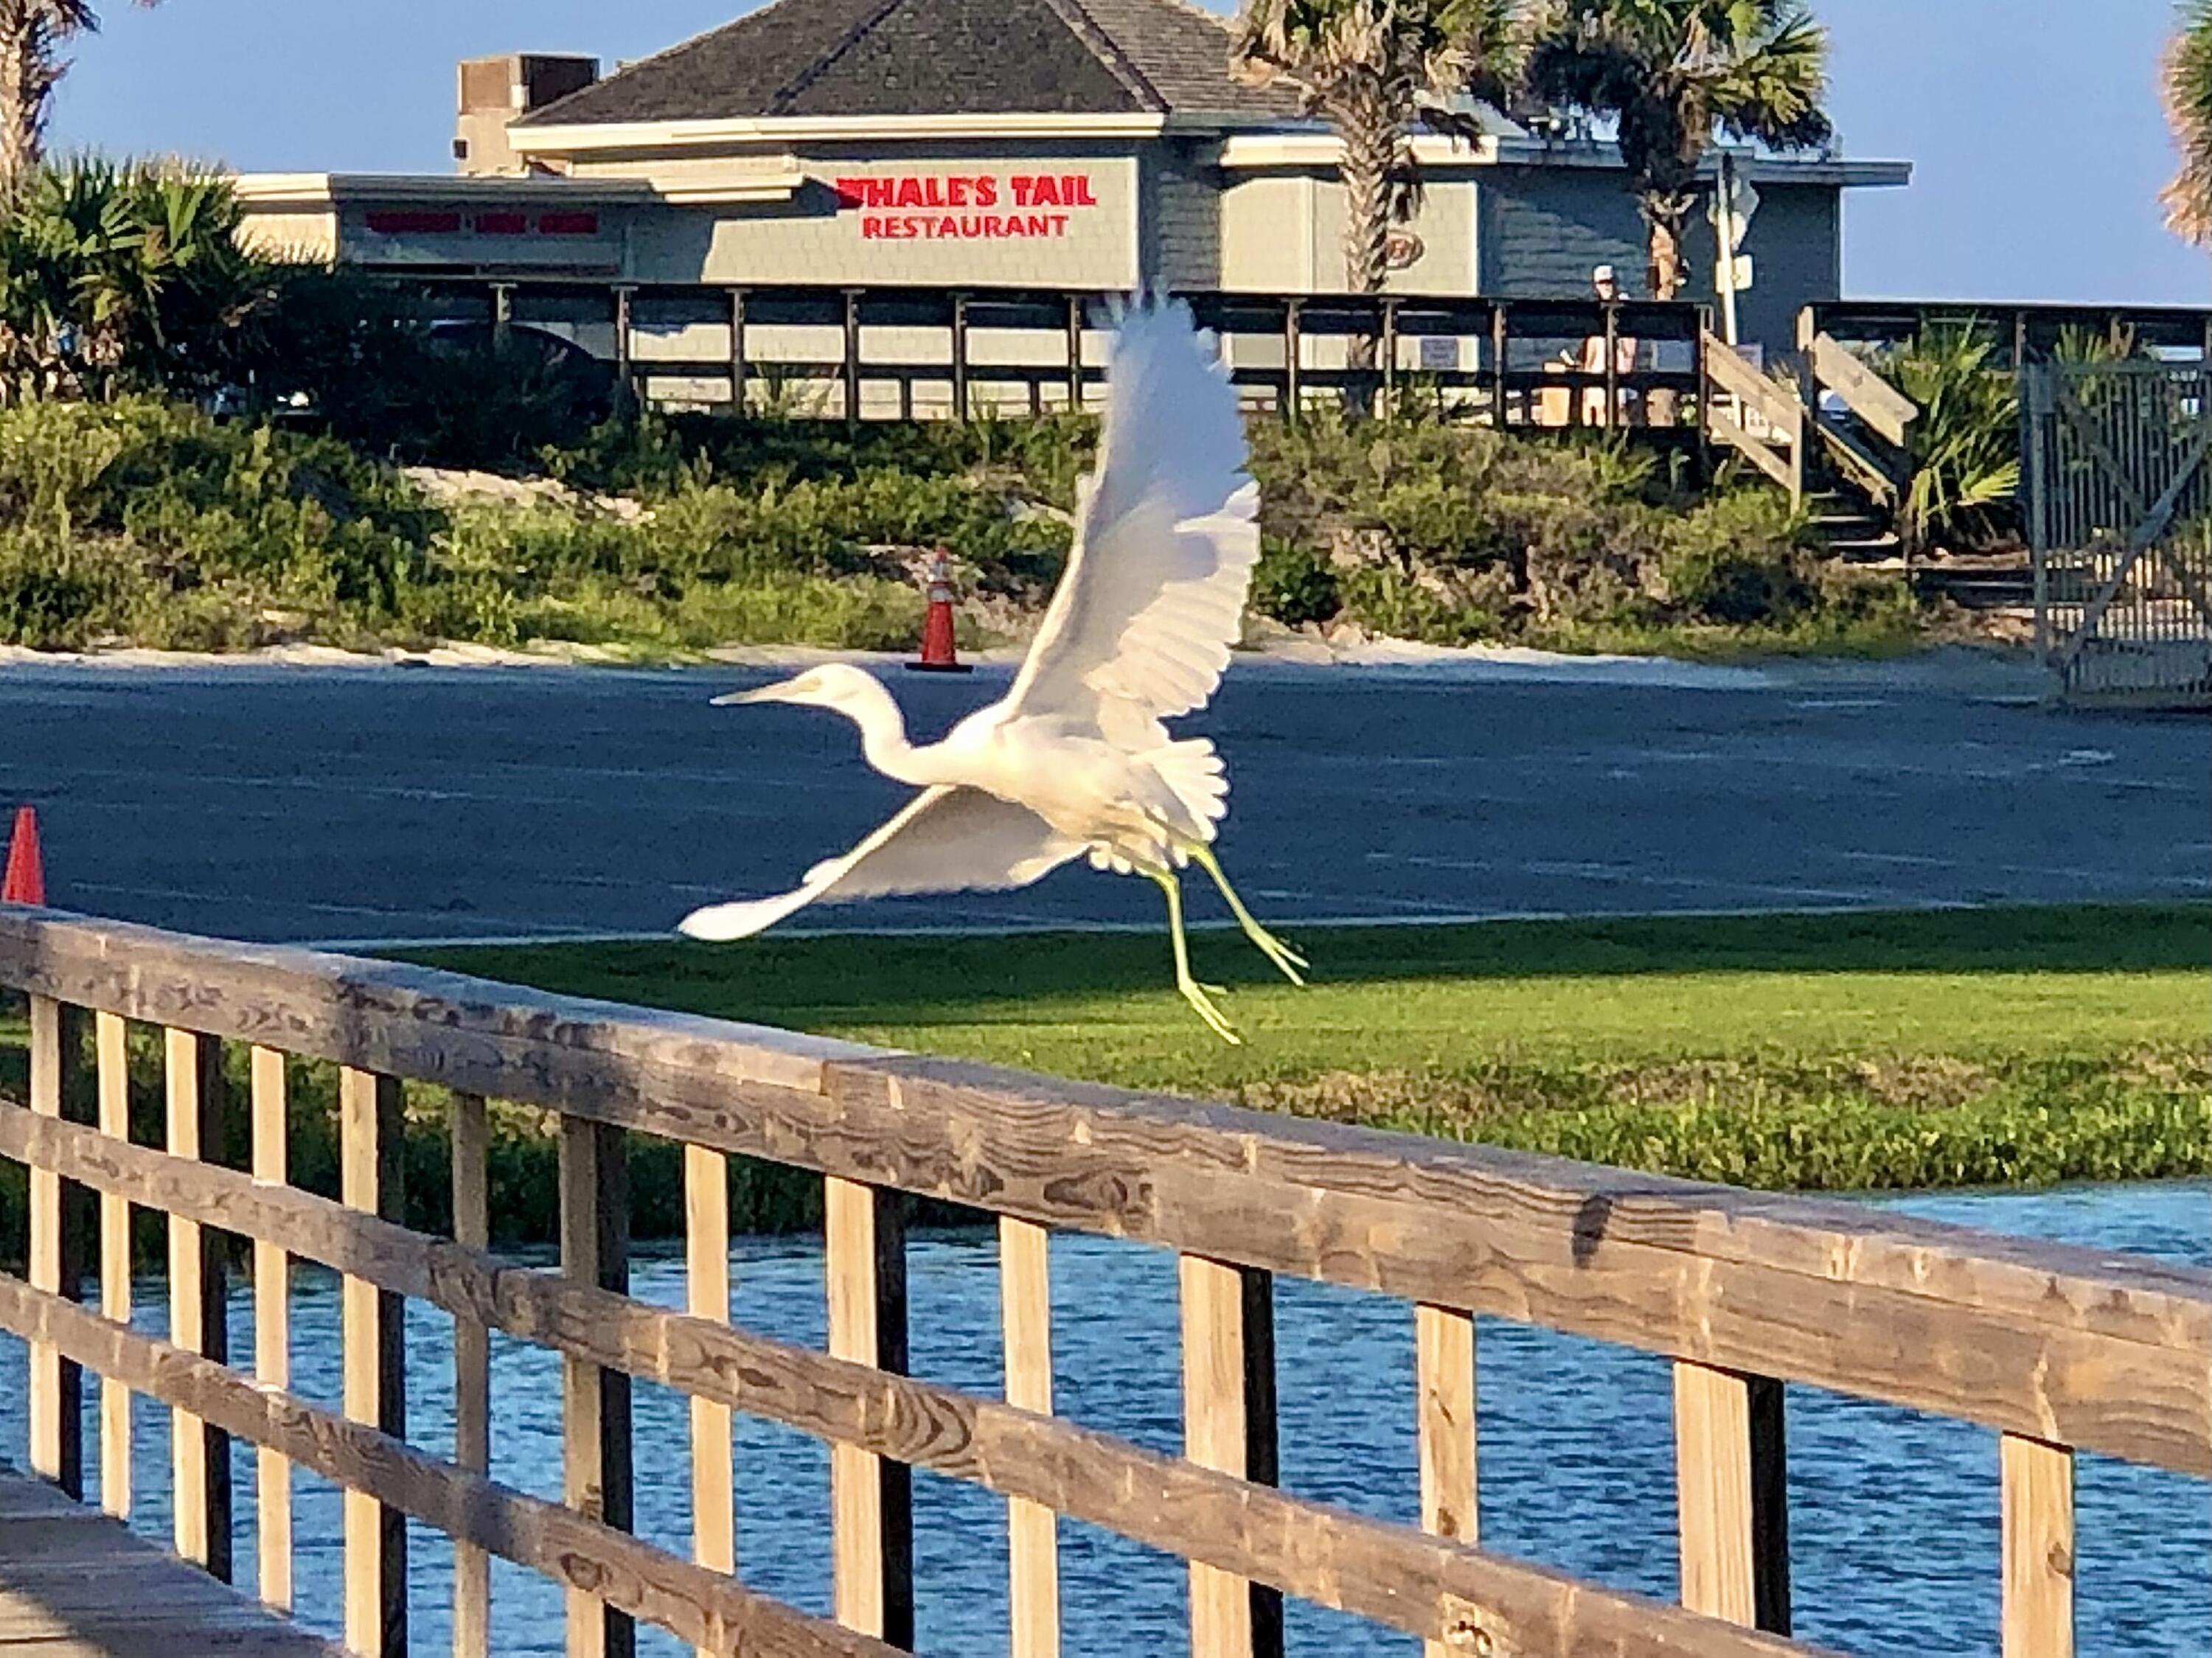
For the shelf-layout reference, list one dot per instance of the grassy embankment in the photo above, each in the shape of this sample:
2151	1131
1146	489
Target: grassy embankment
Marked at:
147	523
1812	1052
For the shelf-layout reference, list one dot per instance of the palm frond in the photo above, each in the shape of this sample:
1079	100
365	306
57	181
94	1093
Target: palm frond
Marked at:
2187	85
1376	69
1772	91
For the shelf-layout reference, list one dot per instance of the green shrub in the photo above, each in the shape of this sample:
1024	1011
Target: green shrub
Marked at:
149	521
1741	557
1294	585
1964	448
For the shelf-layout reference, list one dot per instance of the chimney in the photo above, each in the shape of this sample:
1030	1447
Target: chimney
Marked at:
497	91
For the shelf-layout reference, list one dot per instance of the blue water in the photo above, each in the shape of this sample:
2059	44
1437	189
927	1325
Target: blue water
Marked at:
1893	1516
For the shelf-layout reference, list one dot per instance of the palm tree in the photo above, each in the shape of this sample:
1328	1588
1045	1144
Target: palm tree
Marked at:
31	35
1672	73
2188	87
1376	69
127	277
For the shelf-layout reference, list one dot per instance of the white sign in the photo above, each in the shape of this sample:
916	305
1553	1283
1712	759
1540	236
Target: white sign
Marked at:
1743	202
1741	273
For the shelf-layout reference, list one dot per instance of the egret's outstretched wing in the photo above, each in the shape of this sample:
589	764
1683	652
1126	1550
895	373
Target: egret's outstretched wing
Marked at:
945	839
1167	533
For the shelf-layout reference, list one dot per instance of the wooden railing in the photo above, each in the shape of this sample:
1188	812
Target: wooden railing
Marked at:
1869	447
901	353
1761	419
2055	1348
2022	333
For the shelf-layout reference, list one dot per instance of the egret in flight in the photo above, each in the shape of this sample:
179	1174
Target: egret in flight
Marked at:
1075	760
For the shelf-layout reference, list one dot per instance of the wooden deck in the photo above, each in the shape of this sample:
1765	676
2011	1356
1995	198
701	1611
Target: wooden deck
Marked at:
75	1584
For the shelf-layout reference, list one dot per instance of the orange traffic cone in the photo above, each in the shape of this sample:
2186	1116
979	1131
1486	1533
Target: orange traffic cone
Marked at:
25	882
938	655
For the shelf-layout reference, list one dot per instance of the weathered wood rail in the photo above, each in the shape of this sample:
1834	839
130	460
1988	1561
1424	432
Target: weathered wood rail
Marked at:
2055	1349
884	353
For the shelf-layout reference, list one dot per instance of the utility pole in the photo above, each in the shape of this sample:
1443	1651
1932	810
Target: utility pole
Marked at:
1724	244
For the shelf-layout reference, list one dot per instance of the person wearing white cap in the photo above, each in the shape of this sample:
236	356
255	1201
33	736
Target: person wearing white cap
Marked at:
1605	283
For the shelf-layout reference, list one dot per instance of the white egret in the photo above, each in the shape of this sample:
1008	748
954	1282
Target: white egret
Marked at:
1075	760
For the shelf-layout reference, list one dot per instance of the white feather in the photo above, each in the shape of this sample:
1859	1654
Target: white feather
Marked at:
1167	535
1075	760
945	839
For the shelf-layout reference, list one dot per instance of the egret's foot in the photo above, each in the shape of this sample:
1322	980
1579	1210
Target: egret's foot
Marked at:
1197	995
1286	960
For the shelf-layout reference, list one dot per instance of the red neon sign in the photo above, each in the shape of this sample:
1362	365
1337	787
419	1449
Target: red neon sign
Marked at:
414	224
958	207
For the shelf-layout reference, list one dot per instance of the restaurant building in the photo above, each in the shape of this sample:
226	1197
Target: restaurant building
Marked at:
1077	144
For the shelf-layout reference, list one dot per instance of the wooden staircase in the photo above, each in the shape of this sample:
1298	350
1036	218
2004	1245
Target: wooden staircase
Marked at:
1854	529
1847	465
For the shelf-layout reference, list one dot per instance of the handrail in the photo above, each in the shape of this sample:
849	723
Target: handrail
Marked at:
1780	452
1277	345
2057	1347
1869	396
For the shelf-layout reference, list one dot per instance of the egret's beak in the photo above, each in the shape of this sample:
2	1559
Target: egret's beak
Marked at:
775	693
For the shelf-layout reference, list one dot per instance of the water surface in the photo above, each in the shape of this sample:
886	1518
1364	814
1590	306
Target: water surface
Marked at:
1893	1516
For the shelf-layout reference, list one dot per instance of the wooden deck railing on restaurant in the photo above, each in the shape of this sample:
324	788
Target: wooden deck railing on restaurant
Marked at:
885	353
2056	1349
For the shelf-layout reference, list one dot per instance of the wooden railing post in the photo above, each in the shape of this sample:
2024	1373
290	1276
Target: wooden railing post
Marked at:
1075	353
1732	1499
707	1295
470	1151
2038	1548
1032	1530
627	379
1390	359
272	1333
373	1342
963	408
1443	1382
1229	1424
738	369
871	1498
111	1058
57	1384
595	1402
1500	348
850	368
199	1453
1614	422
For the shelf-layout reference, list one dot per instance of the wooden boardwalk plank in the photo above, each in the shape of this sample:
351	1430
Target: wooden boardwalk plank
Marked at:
75	1583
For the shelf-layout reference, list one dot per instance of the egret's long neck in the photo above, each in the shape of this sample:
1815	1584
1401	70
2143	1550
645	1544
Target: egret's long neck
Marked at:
883	733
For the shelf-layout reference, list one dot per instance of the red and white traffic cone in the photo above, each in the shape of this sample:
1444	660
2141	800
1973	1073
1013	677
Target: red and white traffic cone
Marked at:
24	883
938	655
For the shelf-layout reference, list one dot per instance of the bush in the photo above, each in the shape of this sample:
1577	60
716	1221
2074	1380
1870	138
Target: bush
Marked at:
1964	448
149	521
1294	585
1743	557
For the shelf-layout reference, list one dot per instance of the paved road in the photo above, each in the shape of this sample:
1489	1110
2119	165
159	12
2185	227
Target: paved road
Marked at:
386	803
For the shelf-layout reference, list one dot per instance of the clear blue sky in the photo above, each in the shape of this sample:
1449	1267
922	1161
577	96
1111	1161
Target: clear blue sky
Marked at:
2034	124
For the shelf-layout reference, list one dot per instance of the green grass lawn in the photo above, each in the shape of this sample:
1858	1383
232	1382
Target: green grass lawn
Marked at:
1940	1048
1810	1051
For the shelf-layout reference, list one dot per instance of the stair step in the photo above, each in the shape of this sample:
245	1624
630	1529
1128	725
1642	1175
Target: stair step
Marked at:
1978	590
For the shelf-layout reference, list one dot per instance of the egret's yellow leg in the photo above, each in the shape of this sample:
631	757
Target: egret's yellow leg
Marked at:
1288	960
1193	991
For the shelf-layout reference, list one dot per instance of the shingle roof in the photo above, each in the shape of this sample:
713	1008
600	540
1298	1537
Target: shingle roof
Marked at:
861	57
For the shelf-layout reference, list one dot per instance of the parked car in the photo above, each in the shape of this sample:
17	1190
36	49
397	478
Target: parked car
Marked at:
590	381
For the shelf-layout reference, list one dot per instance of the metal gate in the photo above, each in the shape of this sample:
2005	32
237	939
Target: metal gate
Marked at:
2118	493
